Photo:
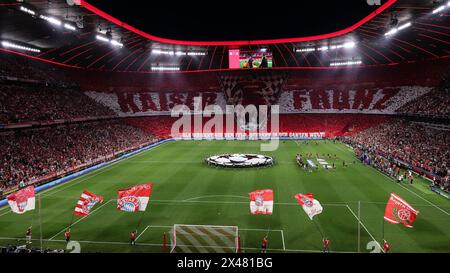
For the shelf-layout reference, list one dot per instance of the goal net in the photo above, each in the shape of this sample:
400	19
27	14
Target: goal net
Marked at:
204	239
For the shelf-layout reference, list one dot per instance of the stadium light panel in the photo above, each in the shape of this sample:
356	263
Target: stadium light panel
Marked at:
395	30
115	43
163	52
439	9
165	68
15	46
102	38
345	63
69	27
26	10
51	20
196	53
323	48
306	49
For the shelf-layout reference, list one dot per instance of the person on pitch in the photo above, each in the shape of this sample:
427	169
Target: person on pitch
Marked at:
133	237
326	245
386	246
28	235
264	245
67	235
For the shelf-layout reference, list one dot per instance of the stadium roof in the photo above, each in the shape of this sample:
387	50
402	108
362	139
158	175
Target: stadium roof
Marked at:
419	29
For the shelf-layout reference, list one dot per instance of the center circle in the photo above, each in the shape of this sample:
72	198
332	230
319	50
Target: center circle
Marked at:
239	160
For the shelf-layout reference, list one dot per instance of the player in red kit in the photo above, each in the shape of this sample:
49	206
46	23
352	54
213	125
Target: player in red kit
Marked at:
264	245
386	246
133	238
326	245
67	235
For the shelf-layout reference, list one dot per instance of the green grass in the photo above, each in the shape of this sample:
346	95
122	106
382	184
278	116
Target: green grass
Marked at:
186	191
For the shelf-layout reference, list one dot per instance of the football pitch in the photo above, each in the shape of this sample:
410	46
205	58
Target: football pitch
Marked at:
188	191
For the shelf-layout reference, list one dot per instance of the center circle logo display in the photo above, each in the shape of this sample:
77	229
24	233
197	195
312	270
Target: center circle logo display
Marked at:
240	160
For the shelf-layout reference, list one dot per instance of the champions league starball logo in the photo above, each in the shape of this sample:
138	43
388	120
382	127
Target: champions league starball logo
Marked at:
129	204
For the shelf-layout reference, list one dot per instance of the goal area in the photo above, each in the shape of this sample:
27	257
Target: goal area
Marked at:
204	239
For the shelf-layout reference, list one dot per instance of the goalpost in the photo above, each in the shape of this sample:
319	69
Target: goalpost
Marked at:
204	239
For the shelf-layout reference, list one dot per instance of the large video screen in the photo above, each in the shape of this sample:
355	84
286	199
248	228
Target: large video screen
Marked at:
250	59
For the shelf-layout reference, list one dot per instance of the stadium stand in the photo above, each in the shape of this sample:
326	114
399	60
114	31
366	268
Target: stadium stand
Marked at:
422	146
37	155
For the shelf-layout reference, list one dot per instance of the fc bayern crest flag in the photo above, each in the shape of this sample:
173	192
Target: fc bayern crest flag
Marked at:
310	205
261	201
135	198
86	202
398	211
22	200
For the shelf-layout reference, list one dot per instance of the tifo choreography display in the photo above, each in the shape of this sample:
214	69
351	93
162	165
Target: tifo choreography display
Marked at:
240	160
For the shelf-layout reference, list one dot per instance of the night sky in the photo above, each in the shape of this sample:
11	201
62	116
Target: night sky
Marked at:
237	20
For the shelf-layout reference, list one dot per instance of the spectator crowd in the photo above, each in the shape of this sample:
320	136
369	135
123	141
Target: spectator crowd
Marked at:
27	155
31	102
423	147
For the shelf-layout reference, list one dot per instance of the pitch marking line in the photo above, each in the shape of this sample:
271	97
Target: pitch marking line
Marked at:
160	245
209	196
281	231
362	224
81	219
432	204
95	172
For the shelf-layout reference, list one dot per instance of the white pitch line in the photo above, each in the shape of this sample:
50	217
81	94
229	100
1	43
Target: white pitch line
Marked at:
209	196
81	219
94	173
238	202
140	234
282	237
362	224
5	213
147	244
434	205
448	214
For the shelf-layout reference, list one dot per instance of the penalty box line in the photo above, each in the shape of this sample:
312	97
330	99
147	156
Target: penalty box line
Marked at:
244	229
365	228
81	219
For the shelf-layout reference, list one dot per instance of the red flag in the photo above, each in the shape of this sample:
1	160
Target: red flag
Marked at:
135	198
398	211
86	202
261	201
22	201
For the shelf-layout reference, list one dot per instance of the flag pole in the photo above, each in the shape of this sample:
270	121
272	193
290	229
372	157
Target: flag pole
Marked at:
318	228
40	222
359	226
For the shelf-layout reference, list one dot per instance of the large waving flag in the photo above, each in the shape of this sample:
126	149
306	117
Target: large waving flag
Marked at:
135	198
261	201
22	201
86	202
310	205
399	212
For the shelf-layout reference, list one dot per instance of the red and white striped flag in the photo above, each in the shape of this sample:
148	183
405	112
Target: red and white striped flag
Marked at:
86	202
261	201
